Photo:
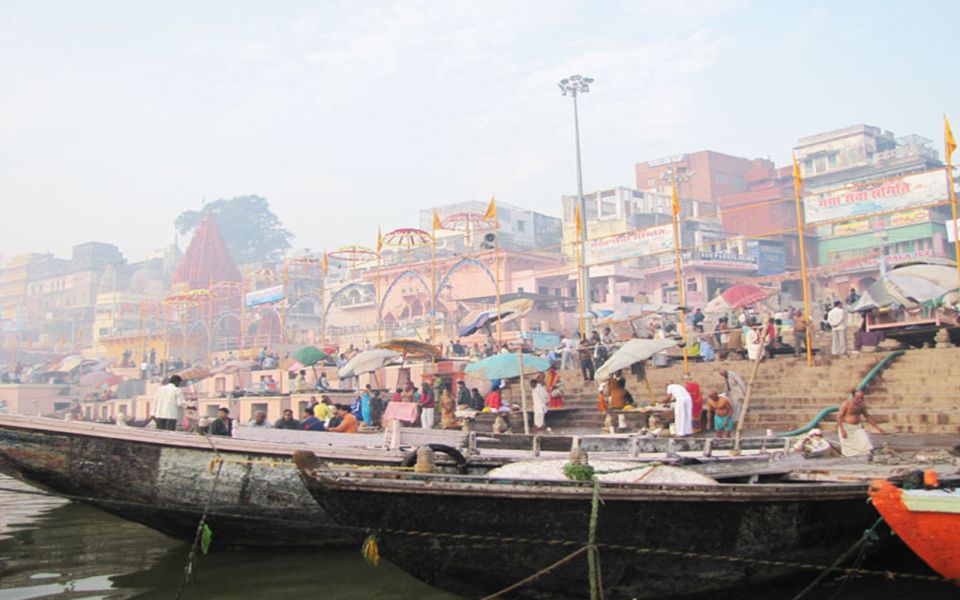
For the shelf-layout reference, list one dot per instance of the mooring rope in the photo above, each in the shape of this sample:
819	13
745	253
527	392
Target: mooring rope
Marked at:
192	556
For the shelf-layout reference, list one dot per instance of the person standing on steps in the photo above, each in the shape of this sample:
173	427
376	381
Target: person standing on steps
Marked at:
854	440
837	320
585	354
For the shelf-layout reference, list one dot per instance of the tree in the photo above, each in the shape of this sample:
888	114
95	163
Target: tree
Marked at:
250	229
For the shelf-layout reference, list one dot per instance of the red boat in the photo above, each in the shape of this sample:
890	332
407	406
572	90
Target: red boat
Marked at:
928	521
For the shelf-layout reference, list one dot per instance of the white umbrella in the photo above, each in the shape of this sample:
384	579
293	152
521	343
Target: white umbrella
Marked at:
367	361
633	352
629	312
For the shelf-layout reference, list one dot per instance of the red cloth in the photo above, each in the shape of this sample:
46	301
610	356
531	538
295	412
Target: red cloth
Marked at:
694	390
493	400
404	411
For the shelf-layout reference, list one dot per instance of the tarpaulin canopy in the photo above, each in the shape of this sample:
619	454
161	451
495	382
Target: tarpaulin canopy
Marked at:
737	296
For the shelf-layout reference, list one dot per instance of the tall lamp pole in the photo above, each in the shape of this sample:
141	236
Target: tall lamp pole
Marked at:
574	86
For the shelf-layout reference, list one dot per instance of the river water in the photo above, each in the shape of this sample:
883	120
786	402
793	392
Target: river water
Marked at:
50	548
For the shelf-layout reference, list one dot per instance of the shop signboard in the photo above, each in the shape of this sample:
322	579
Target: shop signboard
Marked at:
864	199
851	228
264	296
728	260
911	217
633	244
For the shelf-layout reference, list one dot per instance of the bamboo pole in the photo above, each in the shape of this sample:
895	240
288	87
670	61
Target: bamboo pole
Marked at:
496	258
680	286
746	395
523	394
797	194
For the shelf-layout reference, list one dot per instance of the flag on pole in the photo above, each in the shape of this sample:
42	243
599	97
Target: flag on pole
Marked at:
949	143
797	178
578	222
676	201
436	221
379	240
325	264
491	214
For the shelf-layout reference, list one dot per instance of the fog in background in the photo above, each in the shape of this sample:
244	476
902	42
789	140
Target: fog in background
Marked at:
117	116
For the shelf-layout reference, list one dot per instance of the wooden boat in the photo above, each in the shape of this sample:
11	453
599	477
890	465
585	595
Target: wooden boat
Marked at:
928	521
475	535
164	479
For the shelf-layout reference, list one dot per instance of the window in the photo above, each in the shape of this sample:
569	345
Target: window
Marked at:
544	290
520	290
832	161
521	226
692	285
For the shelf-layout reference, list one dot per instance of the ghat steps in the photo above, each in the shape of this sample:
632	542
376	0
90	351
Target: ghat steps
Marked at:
918	393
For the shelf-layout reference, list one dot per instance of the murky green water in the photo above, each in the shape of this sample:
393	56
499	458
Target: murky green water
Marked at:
53	549
50	548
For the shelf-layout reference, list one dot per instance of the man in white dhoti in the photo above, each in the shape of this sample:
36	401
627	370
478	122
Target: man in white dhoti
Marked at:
541	399
682	408
854	440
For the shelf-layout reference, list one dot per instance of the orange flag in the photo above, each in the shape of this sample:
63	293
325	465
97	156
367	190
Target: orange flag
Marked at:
436	221
491	214
949	143
676	200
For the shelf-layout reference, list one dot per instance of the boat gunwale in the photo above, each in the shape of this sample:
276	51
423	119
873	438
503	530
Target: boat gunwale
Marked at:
43	425
392	482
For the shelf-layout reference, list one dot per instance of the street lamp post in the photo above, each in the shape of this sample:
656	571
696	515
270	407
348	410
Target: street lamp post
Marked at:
574	86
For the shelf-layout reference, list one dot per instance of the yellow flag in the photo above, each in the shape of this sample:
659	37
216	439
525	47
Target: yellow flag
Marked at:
949	143
491	214
436	221
797	178
578	221
379	240
325	265
676	201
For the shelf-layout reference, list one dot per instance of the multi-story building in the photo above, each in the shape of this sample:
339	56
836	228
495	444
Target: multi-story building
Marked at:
708	175
866	162
519	229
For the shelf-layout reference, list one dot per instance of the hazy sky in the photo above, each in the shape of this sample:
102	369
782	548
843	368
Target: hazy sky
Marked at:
117	116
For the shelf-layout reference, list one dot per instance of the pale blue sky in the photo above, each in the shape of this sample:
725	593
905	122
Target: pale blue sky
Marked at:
116	116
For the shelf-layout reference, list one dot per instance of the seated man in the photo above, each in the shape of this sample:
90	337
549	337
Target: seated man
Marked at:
348	422
223	425
310	422
287	422
323	384
259	420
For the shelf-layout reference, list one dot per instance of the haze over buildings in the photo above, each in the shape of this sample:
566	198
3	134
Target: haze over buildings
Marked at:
120	116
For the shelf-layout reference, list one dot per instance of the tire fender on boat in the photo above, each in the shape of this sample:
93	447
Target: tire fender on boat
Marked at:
458	458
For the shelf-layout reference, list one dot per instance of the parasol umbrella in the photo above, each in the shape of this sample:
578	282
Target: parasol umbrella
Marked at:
632	352
411	347
737	296
70	363
233	366
310	355
509	311
506	366
367	361
296	366
99	378
193	373
629	312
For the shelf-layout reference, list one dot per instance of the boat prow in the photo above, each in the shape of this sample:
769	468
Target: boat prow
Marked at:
928	521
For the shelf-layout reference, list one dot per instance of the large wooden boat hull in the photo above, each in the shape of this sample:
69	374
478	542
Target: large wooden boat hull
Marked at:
474	536
927	521
164	480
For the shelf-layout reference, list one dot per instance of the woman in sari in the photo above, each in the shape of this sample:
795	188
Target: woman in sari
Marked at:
554	387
